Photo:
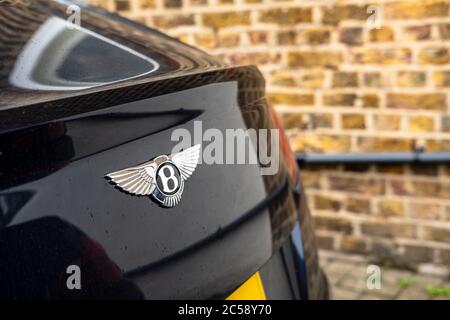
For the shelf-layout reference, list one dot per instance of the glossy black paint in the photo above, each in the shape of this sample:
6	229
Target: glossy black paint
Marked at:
64	127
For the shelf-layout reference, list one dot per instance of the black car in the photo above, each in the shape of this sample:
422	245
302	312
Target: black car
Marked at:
94	202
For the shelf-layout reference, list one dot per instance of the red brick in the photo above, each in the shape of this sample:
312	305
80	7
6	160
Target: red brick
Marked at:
383	56
358	205
333	224
360	185
436	56
381	144
335	14
352	244
226	19
288	16
326	203
426	101
309	59
439	234
416	9
388	230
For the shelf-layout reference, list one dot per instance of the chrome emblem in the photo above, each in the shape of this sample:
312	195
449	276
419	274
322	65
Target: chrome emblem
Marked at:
161	178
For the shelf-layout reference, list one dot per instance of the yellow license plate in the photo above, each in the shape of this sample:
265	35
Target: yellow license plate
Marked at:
252	289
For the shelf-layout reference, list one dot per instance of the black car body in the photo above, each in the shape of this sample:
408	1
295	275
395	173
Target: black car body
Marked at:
79	103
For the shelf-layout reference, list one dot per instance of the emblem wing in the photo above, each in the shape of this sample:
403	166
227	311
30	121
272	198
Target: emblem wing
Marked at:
187	160
139	180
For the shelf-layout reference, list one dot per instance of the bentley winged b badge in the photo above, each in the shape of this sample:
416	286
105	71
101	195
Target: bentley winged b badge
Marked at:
161	178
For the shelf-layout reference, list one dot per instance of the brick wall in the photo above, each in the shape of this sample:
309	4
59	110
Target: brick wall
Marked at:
340	85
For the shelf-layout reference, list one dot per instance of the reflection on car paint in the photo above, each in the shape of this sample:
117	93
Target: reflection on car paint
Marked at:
75	58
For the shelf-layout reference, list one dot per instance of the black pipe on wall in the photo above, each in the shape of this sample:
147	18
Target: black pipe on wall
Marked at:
417	157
